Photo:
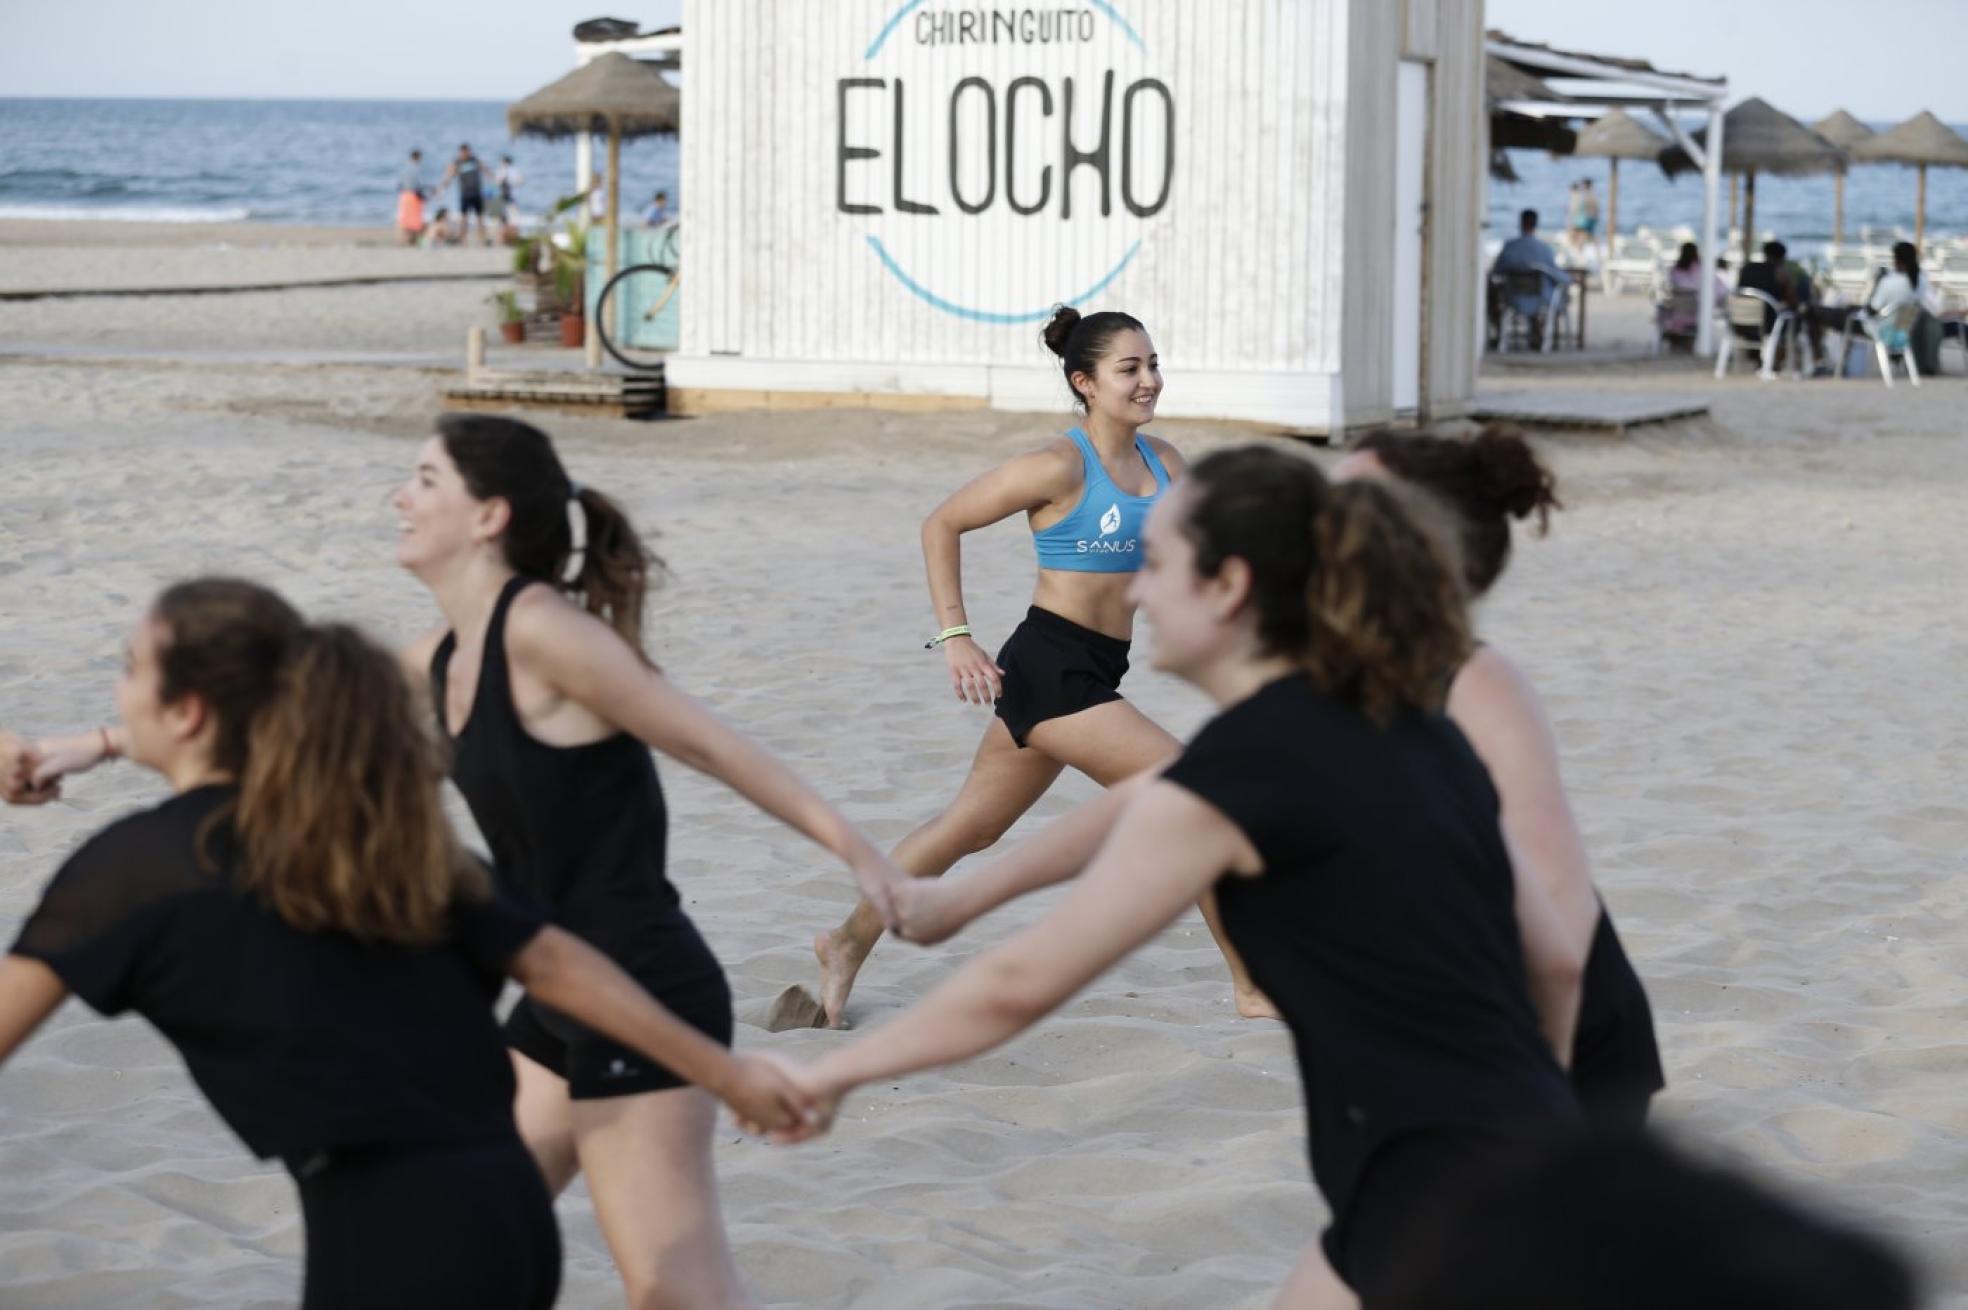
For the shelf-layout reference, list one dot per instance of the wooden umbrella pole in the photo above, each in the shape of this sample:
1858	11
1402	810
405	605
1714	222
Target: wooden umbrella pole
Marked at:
1838	211
1749	214
1735	200
1612	203
1920	213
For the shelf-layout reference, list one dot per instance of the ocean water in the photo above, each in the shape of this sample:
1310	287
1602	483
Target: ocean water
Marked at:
274	161
1797	209
335	161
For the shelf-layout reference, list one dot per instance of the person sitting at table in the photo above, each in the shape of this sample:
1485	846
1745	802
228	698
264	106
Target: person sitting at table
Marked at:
1789	284
1524	253
1903	284
1678	320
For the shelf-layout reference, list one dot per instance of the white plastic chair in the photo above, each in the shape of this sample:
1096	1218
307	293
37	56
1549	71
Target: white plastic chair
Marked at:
1743	315
1633	261
1891	335
1515	284
1679	304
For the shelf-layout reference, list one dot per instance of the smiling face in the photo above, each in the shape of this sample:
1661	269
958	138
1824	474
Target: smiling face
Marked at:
438	520
1196	620
1126	382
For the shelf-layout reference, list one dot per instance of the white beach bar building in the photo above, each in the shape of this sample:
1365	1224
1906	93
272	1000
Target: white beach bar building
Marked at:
883	199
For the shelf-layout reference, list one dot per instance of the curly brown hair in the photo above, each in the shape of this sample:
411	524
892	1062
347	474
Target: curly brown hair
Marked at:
339	820
1487	481
1357	582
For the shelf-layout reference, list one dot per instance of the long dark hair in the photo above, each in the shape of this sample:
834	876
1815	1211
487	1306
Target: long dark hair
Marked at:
1349	580
1907	260
1489	481
515	462
339	819
1689	256
1081	340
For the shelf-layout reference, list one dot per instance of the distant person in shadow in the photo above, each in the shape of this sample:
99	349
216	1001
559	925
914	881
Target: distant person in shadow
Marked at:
1524	253
1903	284
1789	284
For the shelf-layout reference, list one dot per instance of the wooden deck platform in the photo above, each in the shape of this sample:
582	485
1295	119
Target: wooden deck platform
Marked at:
604	395
1606	411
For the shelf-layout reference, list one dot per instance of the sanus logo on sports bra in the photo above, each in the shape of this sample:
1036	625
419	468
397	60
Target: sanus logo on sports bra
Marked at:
1110	523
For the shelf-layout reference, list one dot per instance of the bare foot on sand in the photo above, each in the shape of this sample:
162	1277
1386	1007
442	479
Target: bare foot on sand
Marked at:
794	1008
839	962
1254	1004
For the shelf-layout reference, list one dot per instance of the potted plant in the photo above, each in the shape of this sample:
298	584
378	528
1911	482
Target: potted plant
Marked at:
512	320
534	258
570	269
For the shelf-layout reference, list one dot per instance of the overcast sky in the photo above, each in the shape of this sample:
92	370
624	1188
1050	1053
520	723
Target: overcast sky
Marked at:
1883	60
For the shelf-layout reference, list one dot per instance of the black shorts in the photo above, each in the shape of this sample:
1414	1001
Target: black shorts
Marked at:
1402	1183
413	1227
674	965
472	204
1616	1065
1054	667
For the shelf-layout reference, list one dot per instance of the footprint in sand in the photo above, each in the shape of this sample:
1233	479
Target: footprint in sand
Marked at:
795	1007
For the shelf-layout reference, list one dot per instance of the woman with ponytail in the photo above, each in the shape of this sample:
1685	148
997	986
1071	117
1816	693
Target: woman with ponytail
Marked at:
541	686
1347	829
300	923
1486	482
1055	684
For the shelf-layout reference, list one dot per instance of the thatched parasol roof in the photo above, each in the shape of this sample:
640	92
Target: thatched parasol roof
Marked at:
1618	135
1759	139
1922	139
1841	129
1506	81
613	93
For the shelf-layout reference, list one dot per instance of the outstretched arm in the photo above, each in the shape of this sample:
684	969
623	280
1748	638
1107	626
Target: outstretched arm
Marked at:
1167	848
930	910
56	758
29	992
585	660
562	971
1021	484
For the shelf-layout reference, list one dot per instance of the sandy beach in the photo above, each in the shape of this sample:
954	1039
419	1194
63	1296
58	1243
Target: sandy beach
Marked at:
1748	629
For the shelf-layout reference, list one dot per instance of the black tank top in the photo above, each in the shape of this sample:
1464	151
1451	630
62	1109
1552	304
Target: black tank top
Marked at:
581	829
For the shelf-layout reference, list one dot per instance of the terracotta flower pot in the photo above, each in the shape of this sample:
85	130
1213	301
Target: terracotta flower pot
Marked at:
573	330
514	333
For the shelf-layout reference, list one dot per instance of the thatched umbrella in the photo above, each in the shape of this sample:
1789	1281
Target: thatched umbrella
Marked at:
1505	82
1759	139
1845	132
1920	141
612	95
1614	137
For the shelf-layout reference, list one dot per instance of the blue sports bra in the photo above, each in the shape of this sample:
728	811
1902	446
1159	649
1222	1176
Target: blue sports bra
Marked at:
1103	533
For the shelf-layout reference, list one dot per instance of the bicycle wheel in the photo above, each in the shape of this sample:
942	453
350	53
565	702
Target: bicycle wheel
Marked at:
627	309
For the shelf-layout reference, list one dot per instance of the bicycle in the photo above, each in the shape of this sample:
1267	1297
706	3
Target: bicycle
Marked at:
634	298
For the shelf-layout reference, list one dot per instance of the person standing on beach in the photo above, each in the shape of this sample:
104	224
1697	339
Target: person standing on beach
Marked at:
1350	835
540	684
411	187
505	188
299	921
1615	1064
1055	685
471	193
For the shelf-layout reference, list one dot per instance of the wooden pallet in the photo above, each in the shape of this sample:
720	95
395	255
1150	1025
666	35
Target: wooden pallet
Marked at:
607	395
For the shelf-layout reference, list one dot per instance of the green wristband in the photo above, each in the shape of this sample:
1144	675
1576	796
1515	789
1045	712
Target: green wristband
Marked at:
961	630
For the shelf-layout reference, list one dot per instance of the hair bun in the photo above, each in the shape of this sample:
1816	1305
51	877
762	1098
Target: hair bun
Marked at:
1059	329
1512	475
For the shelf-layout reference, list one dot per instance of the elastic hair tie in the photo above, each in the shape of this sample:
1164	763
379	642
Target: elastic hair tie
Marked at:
577	533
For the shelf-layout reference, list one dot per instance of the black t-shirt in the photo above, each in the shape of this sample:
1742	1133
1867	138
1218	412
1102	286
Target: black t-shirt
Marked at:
1382	925
470	179
302	1041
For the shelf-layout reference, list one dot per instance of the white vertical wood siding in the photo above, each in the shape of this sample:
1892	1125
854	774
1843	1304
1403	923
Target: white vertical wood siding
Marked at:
1238	276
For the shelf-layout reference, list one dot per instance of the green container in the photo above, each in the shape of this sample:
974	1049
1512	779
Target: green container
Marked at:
634	327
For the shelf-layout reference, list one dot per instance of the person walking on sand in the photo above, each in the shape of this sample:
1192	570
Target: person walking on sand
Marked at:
540	684
1615	1064
1351	837
412	185
298	920
1055	684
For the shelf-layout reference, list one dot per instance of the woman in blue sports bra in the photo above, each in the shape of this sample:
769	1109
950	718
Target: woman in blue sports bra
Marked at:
1056	683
